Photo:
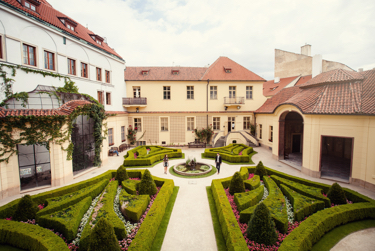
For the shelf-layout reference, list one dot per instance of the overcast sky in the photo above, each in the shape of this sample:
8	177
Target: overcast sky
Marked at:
197	32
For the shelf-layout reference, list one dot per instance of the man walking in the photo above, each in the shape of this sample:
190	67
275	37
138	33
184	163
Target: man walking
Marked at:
218	162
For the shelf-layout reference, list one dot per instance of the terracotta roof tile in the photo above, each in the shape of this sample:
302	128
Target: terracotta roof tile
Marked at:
338	75
270	88
48	14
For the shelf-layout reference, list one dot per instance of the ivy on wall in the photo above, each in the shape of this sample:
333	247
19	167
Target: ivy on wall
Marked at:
43	130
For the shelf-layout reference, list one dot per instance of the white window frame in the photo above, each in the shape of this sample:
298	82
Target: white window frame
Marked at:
163	127
213	92
110	136
190	127
249	89
216	124
190	92
138	124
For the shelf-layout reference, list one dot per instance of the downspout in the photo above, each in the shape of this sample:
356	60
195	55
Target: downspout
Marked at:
208	82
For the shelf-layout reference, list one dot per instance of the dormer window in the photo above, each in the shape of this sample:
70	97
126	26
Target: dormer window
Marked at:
145	72
227	69
99	40
70	24
175	72
30	4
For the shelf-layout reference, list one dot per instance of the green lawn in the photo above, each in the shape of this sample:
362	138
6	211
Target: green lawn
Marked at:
159	238
335	235
238	163
213	171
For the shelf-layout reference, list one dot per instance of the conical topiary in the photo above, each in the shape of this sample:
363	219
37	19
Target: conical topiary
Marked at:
147	184
261	228
260	170
121	174
103	237
26	209
236	184
336	194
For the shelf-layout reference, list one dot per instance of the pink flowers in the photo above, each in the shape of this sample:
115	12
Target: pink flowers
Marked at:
10	218
135	156
240	153
251	175
41	206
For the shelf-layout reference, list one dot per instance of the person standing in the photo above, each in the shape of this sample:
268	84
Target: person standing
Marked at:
218	162
165	161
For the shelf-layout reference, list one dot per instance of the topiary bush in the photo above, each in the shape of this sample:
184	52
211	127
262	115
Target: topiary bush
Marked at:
260	170
236	184
147	184
26	209
336	194
121	174
103	237
261	227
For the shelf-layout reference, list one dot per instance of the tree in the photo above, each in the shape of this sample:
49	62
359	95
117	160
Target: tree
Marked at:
147	184
121	174
103	237
336	194
260	170
236	184
26	209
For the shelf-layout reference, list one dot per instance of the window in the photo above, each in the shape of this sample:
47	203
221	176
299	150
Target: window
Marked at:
190	92
232	91
98	74
84	70
136	91
216	123
246	123
175	72
108	98
213	92
49	60
107	77
100	97
249	92
29	55
166	92
232	123
164	124
110	136
1	48
260	131
190	123
30	6
227	69
144	73
271	133
122	133
71	66
138	125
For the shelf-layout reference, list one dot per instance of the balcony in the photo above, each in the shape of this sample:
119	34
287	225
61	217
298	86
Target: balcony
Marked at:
234	101
134	102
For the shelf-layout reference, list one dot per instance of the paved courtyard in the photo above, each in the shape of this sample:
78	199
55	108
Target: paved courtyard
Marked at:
190	226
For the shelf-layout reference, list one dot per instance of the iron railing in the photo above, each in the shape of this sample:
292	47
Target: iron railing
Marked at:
234	100
134	101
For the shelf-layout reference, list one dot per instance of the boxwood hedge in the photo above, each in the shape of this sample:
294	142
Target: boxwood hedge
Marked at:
137	205
156	153
230	153
248	199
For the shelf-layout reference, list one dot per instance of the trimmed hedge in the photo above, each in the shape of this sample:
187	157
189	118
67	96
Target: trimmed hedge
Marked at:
59	203
8	209
252	183
312	192
156	153
230	153
30	237
248	199
66	221
147	232
303	206
130	186
229	226
314	227
137	205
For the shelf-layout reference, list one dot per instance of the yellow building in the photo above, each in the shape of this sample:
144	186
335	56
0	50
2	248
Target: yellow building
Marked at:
167	103
324	127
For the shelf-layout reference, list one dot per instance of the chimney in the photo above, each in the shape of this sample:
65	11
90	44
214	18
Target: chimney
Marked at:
317	65
360	70
277	80
306	50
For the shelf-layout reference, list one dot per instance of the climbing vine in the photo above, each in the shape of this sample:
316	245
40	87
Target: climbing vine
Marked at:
42	130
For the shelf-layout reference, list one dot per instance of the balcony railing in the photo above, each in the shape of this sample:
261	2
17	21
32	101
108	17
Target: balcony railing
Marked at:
134	101
234	100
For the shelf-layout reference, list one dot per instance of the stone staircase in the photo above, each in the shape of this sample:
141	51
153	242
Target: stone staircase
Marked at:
220	142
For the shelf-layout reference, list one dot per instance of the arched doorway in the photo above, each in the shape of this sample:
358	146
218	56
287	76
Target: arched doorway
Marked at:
291	138
84	143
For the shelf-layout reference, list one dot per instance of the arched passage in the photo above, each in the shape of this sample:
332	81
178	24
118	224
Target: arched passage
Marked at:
291	138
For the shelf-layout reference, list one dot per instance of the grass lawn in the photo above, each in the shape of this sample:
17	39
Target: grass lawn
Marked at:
220	241
238	163
213	171
159	238
335	235
155	163
9	248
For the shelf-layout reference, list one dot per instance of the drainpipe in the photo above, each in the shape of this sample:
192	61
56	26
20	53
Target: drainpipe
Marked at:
208	82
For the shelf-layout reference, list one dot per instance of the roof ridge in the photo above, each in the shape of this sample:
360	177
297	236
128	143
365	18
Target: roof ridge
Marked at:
209	68
319	103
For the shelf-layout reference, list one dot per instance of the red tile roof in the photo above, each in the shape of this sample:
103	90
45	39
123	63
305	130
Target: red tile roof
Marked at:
338	75
48	14
333	97
63	110
215	72
270	88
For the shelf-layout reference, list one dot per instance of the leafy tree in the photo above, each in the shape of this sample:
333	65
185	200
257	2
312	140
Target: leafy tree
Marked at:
236	184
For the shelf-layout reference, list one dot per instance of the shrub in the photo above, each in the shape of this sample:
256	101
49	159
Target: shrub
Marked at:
26	209
260	170
147	184
236	184
336	194
248	199
103	237
121	174
261	227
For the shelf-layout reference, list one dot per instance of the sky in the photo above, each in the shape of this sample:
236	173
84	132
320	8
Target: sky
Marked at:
197	32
